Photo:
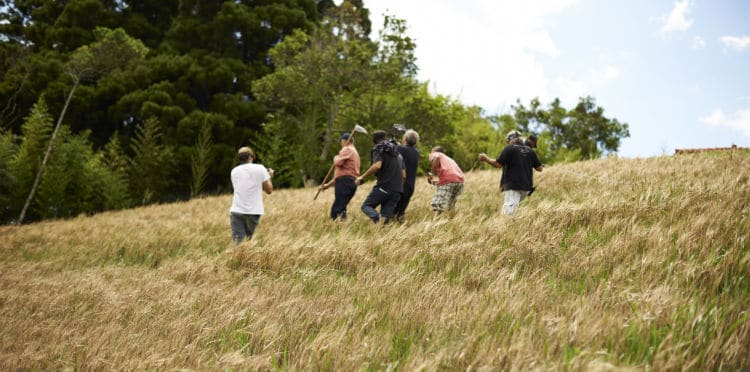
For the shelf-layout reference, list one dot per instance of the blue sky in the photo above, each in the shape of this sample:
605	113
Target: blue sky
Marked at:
678	72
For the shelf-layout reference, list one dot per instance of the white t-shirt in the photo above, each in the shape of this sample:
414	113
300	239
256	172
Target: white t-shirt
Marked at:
247	181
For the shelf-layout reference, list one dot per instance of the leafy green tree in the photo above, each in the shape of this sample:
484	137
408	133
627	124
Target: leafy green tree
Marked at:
76	180
201	161
434	117
475	134
313	73
204	57
59	25
113	178
327	82
151	165
213	131
591	132
8	149
25	163
64	186
148	20
115	49
579	133
113	155
390	92
101	187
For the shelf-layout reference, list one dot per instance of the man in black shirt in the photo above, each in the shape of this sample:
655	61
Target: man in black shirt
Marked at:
410	154
531	141
518	162
387	165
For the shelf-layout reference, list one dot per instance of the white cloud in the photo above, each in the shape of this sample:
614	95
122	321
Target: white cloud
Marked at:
678	19
699	43
739	120
735	42
716	118
569	90
483	52
607	73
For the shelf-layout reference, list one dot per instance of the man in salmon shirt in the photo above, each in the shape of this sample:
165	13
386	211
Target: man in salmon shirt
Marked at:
450	180
346	170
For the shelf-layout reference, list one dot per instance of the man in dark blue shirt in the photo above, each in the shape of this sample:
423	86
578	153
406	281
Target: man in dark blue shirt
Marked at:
410	154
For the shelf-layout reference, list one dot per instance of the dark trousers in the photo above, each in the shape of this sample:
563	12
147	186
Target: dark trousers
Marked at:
403	202
344	189
387	201
243	226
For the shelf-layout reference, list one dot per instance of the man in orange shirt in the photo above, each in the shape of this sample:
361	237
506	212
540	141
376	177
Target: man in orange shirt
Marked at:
450	180
346	170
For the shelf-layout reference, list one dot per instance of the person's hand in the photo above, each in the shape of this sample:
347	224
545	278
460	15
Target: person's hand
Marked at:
324	186
483	157
358	181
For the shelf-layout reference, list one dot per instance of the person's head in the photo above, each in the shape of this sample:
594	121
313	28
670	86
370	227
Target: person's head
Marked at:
345	138
246	155
513	136
397	130
531	141
439	149
411	137
378	136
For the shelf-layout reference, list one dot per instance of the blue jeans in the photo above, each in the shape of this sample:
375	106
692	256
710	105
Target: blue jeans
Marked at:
387	201
243	226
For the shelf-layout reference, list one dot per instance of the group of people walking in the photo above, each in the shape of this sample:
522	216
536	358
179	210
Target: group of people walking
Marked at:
395	167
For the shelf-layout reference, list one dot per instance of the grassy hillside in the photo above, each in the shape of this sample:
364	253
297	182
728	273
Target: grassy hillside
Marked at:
612	263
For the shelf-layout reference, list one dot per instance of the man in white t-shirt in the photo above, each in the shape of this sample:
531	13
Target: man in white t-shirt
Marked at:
249	181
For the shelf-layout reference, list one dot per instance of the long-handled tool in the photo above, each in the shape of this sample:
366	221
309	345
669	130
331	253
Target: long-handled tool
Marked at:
349	140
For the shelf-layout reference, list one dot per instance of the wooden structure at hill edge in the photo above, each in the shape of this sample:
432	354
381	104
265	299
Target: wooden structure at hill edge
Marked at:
691	151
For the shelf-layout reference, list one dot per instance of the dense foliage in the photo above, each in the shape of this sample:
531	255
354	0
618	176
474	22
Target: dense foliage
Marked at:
286	77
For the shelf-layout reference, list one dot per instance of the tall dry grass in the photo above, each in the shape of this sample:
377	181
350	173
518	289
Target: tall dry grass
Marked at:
611	264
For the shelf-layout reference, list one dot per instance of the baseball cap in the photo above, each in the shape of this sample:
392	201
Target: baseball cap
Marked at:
345	136
513	135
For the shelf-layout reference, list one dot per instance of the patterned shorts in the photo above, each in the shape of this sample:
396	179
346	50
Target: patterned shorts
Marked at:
446	195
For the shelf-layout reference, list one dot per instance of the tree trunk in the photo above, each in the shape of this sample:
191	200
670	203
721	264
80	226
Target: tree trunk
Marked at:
38	178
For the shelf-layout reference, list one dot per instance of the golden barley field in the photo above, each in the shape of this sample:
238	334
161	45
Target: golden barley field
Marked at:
612	264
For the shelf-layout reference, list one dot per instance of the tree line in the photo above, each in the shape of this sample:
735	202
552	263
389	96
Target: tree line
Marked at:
138	102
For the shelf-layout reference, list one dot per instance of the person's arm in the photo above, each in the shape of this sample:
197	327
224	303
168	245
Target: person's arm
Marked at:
403	168
267	184
343	156
372	170
537	164
434	174
493	162
435	165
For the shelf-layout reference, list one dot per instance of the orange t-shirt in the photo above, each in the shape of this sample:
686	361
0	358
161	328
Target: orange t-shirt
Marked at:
346	163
